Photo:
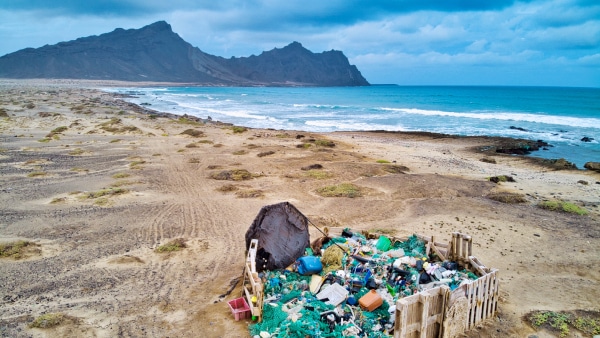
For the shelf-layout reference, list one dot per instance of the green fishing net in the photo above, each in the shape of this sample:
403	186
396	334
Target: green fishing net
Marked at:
413	246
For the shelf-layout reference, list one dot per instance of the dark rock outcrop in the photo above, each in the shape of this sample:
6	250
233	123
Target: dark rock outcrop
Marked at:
595	166
587	139
519	147
156	53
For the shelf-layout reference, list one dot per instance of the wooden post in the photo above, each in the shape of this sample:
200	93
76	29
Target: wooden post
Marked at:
424	299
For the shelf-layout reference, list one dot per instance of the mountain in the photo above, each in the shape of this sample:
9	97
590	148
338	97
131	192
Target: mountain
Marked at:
156	53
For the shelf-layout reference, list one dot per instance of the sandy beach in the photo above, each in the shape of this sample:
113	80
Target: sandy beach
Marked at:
98	184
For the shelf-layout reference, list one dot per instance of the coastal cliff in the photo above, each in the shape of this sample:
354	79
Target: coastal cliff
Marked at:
156	53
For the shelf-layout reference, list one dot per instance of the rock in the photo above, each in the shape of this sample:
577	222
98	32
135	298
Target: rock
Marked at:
587	139
582	182
595	166
502	178
488	160
520	147
559	164
312	167
518	128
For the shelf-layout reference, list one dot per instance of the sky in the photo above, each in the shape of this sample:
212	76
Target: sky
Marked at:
406	42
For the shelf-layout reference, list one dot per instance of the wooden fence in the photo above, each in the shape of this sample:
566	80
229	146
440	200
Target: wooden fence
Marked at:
439	312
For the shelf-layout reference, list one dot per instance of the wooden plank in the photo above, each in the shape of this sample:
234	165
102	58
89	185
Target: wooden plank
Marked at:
493	293
463	252
438	252
476	266
480	293
471	304
488	295
469	245
425	299
455	246
402	306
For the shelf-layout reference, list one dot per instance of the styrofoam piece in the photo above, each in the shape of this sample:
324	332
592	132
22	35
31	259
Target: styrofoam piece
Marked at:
335	293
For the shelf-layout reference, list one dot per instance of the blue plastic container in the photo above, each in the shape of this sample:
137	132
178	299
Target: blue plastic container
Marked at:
309	265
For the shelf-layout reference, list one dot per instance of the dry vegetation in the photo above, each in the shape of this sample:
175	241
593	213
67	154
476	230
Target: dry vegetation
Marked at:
173	245
18	249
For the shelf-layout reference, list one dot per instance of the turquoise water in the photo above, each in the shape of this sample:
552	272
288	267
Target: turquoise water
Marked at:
559	116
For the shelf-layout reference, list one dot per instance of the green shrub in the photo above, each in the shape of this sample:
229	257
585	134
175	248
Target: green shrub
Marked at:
341	190
325	143
318	174
59	129
48	320
76	152
232	175
106	192
136	164
555	205
238	130
16	249
173	245
587	322
120	175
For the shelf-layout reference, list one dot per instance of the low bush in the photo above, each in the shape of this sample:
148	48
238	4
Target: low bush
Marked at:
265	153
106	192
47	320
120	175
250	193
239	130
562	322
232	175
192	133
568	207
318	174
173	245
340	190
506	197
17	249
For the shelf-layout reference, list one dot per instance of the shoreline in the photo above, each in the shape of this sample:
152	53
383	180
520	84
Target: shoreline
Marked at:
99	85
99	196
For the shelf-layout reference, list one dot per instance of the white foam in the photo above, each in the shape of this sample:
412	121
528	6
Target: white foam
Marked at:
505	116
330	125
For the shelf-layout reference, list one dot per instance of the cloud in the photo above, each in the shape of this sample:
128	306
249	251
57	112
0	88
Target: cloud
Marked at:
455	38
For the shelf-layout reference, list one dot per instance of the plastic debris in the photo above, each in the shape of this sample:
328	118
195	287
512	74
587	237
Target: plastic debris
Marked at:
352	289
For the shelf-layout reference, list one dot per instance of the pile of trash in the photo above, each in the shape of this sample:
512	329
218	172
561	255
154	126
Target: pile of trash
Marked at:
348	286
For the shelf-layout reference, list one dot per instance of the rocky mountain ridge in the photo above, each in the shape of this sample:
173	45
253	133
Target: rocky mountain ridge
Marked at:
156	53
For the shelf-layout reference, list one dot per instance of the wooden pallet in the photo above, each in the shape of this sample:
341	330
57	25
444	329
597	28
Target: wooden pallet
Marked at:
253	288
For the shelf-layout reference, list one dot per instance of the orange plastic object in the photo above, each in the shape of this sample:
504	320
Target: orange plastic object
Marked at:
371	301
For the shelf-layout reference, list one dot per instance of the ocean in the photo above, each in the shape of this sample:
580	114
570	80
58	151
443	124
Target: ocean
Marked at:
560	116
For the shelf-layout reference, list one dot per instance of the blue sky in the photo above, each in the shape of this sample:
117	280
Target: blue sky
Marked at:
416	42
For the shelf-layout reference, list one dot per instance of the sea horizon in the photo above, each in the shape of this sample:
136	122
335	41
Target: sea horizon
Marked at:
561	116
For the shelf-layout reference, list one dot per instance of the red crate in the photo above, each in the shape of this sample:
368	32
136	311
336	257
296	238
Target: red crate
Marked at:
240	309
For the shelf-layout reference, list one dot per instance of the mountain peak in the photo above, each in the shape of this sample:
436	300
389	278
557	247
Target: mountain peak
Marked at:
294	44
159	26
